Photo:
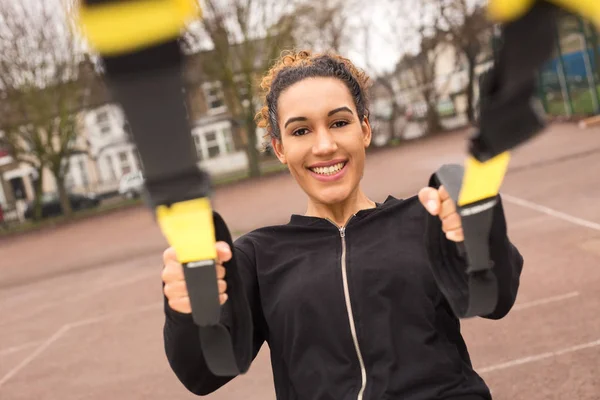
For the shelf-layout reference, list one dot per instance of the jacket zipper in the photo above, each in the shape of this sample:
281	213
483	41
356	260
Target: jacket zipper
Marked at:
363	371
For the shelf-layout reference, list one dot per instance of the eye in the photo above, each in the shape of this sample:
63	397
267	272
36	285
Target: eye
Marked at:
339	124
300	132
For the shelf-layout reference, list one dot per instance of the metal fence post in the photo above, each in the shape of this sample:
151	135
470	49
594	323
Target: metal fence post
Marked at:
589	67
562	76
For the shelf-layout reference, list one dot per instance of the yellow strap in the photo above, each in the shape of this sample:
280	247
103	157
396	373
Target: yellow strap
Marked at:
509	10
586	8
123	26
189	228
482	180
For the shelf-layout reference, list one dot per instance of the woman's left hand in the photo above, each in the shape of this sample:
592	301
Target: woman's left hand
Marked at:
439	202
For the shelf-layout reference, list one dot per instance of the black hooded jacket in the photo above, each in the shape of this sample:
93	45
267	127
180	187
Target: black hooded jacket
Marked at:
354	312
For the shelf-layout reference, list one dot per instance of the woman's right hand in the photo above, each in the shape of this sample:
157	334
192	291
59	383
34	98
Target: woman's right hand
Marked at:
175	288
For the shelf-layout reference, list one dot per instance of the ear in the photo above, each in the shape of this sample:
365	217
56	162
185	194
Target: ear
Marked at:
278	149
367	133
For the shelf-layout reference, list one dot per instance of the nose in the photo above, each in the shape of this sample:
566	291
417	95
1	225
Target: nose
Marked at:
325	143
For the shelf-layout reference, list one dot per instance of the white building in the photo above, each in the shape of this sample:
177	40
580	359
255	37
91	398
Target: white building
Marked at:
112	154
108	153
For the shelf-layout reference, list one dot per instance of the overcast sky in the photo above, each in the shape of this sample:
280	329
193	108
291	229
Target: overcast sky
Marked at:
386	41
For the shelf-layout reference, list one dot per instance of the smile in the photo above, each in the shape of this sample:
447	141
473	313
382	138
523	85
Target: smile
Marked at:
329	173
329	170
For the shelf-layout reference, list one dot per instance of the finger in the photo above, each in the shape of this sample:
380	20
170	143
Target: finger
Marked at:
169	255
223	298
220	271
443	193
222	286
448	207
223	251
451	222
175	289
181	304
430	199
456	235
173	271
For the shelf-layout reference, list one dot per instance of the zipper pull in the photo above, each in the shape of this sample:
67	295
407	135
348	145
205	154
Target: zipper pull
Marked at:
343	232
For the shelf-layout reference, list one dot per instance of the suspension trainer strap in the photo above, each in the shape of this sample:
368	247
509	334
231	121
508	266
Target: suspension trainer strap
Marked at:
138	42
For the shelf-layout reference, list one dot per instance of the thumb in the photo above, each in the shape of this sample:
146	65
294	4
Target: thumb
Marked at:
223	252
430	199
169	255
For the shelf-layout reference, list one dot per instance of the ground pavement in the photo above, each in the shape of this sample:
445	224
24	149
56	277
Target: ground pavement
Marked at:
81	304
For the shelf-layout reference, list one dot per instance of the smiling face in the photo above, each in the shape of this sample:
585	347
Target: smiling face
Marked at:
323	140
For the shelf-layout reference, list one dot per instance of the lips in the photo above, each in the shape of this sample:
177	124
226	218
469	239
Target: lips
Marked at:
329	171
327	163
329	168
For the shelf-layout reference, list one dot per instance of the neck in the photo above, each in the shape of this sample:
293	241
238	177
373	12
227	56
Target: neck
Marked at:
340	212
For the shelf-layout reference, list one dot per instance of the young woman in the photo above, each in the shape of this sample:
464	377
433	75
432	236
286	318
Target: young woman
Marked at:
344	295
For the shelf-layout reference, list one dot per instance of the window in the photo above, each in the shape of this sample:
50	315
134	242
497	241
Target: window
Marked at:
124	161
214	97
102	117
214	142
111	169
105	129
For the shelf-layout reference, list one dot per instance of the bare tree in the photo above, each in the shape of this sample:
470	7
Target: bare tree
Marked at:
323	25
369	30
471	34
418	65
238	43
42	88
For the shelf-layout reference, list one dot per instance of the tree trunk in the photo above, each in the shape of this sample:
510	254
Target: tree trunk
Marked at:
395	108
251	150
65	204
392	122
37	198
434	124
471	89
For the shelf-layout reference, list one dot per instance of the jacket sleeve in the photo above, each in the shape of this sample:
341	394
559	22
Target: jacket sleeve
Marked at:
449	265
181	336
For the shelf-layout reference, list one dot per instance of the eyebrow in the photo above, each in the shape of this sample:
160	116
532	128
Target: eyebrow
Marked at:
339	109
329	114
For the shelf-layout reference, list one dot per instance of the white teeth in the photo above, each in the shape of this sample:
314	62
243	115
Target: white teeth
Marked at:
330	170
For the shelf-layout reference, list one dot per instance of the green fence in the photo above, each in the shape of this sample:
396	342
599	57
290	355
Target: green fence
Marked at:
569	84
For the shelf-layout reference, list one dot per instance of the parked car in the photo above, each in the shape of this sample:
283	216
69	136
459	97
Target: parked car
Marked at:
51	207
131	185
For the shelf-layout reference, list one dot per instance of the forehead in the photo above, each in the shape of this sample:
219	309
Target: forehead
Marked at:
313	96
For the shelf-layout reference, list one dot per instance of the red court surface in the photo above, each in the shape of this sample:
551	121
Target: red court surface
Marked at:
81	304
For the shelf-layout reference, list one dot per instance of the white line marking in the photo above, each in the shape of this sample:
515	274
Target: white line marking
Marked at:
35	354
547	300
105	317
92	292
64	329
549	211
530	359
20	347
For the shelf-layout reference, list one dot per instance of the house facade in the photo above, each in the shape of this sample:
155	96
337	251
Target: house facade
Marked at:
108	153
451	80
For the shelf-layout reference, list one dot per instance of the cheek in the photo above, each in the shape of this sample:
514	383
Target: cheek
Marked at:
294	159
356	148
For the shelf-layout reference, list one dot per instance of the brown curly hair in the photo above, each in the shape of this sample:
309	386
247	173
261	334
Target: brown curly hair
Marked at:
294	66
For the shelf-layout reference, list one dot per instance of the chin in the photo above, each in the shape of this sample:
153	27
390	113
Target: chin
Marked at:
332	195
